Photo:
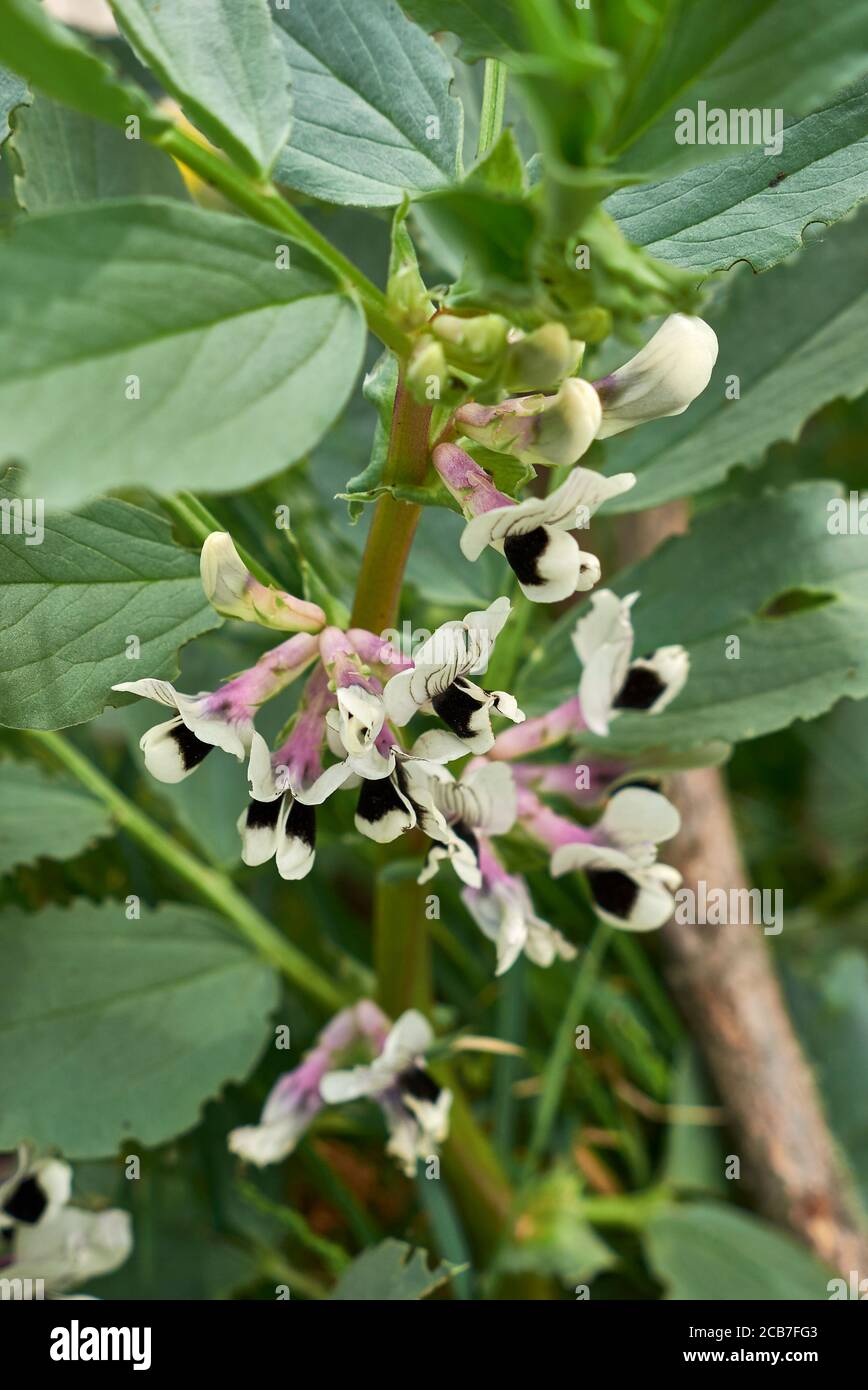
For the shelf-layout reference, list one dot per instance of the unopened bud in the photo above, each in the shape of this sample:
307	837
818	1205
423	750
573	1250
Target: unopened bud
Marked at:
546	430
541	358
234	592
472	344
427	368
408	297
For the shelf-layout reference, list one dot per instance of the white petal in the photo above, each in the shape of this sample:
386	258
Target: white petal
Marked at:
75	1246
670	371
162	691
264	782
410	1037
486	798
233	737
340	1086
507	705
556	571
270	1141
259	840
295	851
164	757
638	816
439	746
328	781
362	717
398	698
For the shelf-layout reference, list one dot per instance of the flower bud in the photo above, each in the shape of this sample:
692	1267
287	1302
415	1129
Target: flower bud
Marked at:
471	344
546	430
541	358
233	591
427	374
663	379
408	297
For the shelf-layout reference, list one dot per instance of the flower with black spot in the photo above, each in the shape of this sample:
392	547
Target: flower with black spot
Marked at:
216	719
440	683
534	535
612	679
415	1108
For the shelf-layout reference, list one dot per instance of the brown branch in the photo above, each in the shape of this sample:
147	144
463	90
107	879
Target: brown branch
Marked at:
723	980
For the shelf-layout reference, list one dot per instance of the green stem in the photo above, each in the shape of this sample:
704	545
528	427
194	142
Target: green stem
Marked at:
402	946
630	1210
378	588
555	1074
481	1191
493	100
209	884
263	203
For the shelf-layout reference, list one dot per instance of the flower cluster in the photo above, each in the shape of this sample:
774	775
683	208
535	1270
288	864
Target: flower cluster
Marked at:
394	1075
555	429
349	730
43	1238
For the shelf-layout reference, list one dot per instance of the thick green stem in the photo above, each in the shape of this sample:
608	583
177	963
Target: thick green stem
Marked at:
263	203
402	947
210	885
378	588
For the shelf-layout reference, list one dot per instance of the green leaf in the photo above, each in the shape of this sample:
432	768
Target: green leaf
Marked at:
829	1000
836	801
223	61
100	576
54	60
373	117
795	339
391	1272
13	91
758	54
118	1031
64	157
766	571
240	366
717	1253
750	207
44	817
485	28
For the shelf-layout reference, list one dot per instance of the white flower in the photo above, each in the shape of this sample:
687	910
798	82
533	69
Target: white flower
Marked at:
551	431
534	535
611	680
32	1190
42	1238
283	829
483	803
625	892
202	722
73	1247
415	1107
390	806
662	379
439	682
503	910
